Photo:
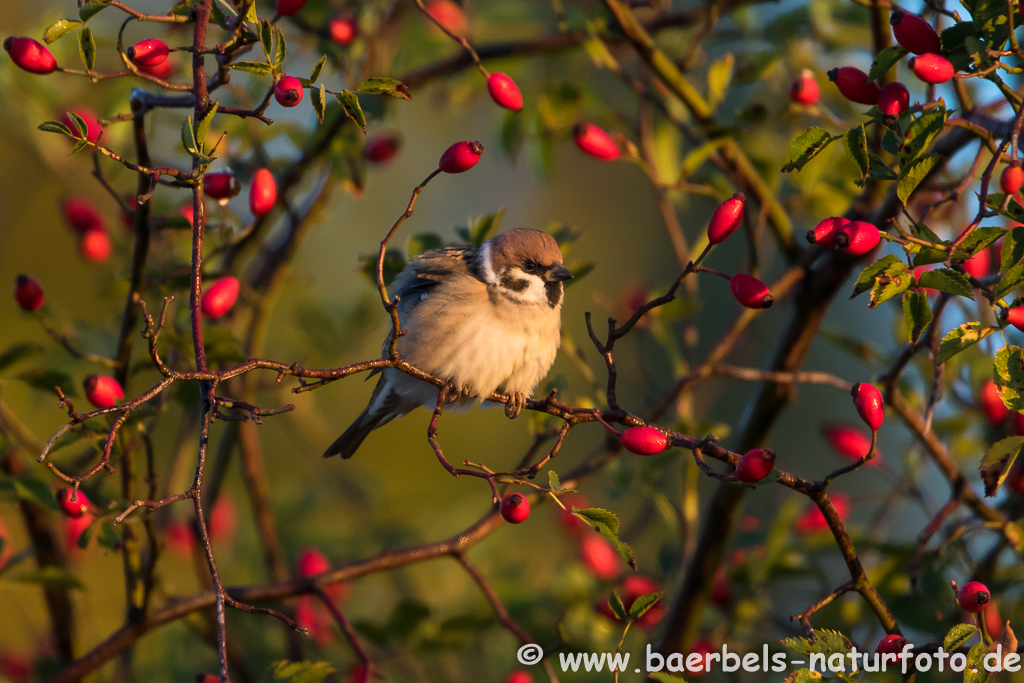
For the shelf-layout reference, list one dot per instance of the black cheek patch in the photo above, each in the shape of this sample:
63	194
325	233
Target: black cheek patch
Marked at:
554	292
514	284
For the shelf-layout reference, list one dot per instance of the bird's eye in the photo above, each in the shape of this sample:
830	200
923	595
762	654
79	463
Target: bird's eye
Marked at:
530	266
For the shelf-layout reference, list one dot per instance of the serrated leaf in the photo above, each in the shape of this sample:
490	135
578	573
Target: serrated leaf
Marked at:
49	577
607	524
643	604
891	282
719	77
259	68
280	47
315	74
92	8
18	352
59	29
957	636
56	127
267	39
1008	376
555	484
803	676
866	280
316	96
947	280
978	240
917	314
188	137
1012	249
805	147
618	609
856	146
385	86
302	672
960	338
879	170
911	176
885	60
1011	280
350	103
975	671
203	127
998	460
823	641
87	48
921	133
1014	211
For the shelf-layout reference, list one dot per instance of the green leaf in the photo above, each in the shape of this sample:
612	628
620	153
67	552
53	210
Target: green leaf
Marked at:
267	39
183	7
302	672
483	228
1014	211
878	169
866	280
719	77
1010	281
975	671
911	176
885	60
607	524
618	609
92	8
978	239
188	137
50	577
315	74
893	281
259	68
86	535
1008	376
1012	250
316	96
424	241
18	352
643	604
59	29
108	538
856	145
385	86
805	147
921	133
947	280
823	641
46	380
960	338
803	676
79	146
958	636
394	263
280	47
203	127
998	460
350	103
917	314
87	48
28	489
554	483
56	127
80	125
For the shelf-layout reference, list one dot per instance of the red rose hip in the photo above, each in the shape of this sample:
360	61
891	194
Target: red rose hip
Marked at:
262	192
601	558
381	148
914	33
81	214
72	508
504	91
804	89
94	245
30	55
288	91
515	508
594	141
1012	177
890	646
518	677
870	407
755	465
848	441
343	30
857	238
221	185
644	440
726	218
311	562
102	391
750	291
220	297
973	597
460	157
1015	316
152	52
930	68
894	99
991	404
287	8
855	85
449	14
824	233
28	293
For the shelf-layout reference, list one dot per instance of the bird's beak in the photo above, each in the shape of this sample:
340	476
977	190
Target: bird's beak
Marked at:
557	273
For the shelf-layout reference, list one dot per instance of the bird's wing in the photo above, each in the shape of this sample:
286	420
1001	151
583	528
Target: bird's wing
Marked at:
427	270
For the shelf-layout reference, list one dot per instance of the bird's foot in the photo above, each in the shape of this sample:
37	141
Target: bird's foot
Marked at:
515	405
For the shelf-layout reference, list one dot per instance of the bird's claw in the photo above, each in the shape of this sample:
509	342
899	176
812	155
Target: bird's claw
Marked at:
515	405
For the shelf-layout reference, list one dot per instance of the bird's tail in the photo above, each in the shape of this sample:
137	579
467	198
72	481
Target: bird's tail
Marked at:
347	444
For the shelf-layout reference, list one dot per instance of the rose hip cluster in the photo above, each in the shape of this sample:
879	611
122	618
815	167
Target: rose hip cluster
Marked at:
854	237
916	36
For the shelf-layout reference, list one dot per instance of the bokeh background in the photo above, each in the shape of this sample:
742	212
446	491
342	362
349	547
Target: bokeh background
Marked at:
429	621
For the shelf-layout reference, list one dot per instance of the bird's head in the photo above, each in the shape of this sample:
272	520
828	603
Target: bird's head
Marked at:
525	266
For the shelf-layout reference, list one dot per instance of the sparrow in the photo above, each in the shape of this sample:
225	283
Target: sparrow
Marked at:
485	318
